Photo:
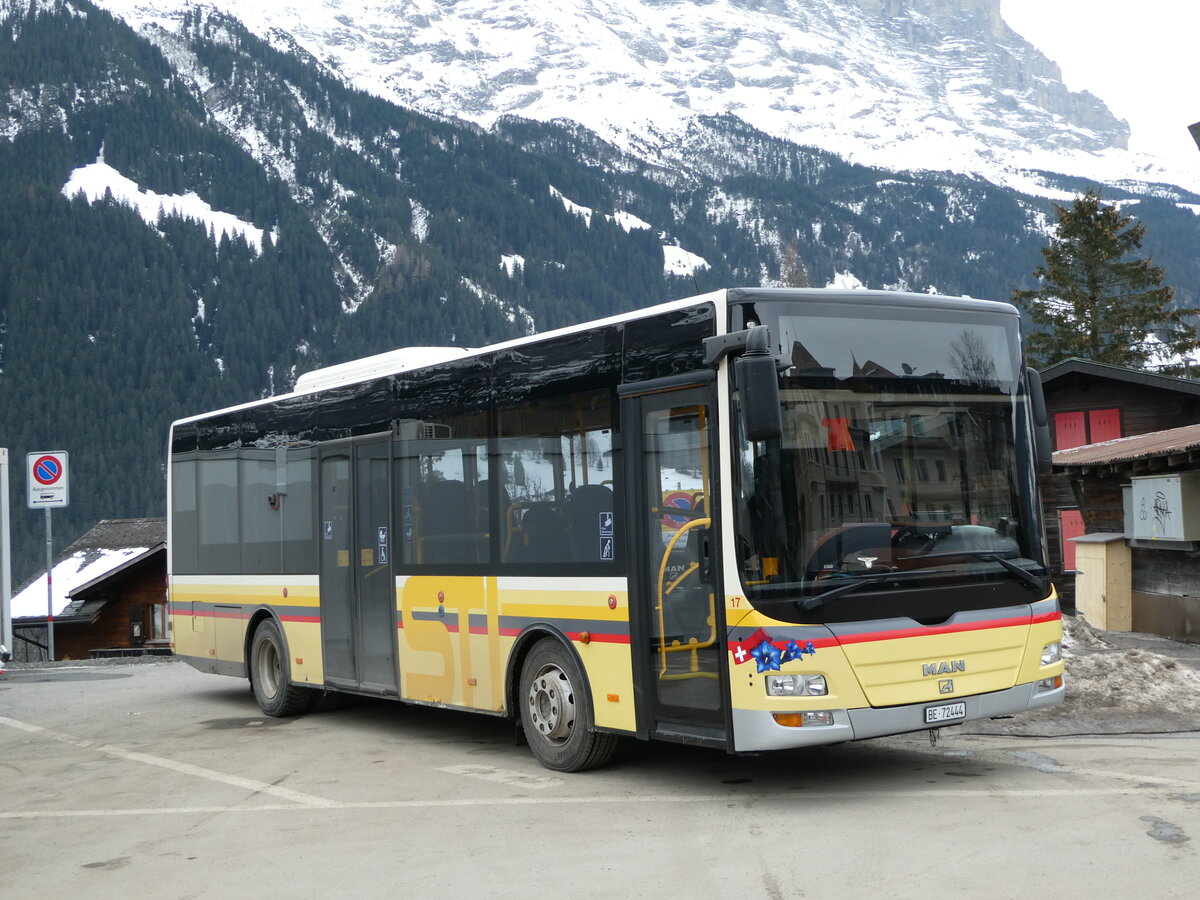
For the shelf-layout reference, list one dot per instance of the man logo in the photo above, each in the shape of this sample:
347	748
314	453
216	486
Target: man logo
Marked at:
946	667
946	686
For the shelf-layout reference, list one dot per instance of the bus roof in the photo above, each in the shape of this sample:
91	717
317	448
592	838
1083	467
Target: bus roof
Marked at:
411	358
377	366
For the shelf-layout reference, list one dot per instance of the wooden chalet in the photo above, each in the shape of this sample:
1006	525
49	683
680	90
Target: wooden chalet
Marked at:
1092	403
115	606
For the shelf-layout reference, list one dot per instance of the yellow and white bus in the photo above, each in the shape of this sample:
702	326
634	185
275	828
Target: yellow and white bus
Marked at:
754	519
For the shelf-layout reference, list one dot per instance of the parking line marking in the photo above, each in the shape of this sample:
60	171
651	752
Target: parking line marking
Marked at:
249	784
444	803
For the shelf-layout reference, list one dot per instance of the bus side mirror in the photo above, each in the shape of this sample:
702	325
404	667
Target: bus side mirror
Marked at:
1041	422
758	388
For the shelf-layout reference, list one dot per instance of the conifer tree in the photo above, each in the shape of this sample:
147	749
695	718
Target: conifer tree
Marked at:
792	270
1097	300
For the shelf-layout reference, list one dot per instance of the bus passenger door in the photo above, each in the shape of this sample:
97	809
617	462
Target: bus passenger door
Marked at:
358	625
675	572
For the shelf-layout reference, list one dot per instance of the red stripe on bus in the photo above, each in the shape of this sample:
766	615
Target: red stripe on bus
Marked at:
228	614
598	638
901	633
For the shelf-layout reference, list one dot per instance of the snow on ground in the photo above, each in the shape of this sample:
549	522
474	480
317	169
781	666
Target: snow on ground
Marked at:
96	180
629	221
74	571
511	262
572	207
677	261
1132	681
1117	683
846	281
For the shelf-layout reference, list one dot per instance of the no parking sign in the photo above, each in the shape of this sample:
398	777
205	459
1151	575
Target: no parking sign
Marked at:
47	484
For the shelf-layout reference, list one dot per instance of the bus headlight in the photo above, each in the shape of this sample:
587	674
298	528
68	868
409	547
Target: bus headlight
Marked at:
796	686
1051	653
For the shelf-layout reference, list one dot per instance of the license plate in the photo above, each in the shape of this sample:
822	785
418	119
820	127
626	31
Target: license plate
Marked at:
936	715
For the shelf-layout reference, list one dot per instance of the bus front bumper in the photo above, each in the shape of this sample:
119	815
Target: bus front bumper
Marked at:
755	730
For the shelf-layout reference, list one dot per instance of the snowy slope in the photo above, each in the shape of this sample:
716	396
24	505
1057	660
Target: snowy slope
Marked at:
902	84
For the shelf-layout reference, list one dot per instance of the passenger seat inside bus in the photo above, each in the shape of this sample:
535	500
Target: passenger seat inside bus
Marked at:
540	537
446	531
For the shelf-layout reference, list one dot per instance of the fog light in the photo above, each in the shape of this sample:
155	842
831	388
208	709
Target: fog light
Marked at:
796	686
1051	653
803	720
1050	684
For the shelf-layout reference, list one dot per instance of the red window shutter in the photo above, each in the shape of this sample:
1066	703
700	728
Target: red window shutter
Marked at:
1103	425
1070	525
1069	430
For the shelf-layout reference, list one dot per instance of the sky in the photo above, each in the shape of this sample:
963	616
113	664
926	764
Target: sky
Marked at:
1138	57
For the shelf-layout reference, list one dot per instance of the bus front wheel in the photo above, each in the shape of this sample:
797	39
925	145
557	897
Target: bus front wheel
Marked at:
556	713
269	672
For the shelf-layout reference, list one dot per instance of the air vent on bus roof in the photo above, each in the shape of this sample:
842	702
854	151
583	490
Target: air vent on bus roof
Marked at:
388	363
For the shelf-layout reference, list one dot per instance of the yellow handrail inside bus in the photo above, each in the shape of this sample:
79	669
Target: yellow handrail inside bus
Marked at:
693	645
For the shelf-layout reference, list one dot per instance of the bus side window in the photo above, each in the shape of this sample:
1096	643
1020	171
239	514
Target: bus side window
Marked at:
556	460
446	524
442	505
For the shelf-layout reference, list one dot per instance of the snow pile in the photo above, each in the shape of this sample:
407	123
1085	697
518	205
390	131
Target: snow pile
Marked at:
1078	634
1115	685
1133	681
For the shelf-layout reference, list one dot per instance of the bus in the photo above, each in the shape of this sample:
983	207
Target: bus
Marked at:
754	519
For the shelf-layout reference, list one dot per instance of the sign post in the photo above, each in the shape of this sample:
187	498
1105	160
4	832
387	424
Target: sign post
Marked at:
48	487
6	637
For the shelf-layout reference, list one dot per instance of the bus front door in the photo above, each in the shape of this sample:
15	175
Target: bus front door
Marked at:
358	621
675	565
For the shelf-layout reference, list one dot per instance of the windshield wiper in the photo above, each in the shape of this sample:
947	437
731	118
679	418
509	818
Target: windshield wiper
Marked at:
808	604
1030	580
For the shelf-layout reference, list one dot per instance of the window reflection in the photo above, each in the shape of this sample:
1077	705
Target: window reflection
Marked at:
898	449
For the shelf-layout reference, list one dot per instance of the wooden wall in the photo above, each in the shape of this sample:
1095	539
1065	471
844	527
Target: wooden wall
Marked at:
131	593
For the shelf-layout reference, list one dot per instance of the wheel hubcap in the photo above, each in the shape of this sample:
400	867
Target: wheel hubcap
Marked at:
552	704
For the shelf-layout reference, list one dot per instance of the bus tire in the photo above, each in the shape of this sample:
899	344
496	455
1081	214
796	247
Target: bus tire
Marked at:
556	713
269	675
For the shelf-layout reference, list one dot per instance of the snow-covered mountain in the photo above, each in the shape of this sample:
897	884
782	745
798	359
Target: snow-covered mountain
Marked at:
899	84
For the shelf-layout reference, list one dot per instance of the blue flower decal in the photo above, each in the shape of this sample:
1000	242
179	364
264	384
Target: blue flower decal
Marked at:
795	651
767	656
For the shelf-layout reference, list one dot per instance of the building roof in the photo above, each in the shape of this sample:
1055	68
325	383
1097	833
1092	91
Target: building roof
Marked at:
1089	369
1173	446
116	534
108	547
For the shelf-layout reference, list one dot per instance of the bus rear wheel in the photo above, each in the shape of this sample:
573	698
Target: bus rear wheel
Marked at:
269	675
556	713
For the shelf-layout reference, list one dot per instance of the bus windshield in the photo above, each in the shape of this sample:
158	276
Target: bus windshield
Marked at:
902	473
